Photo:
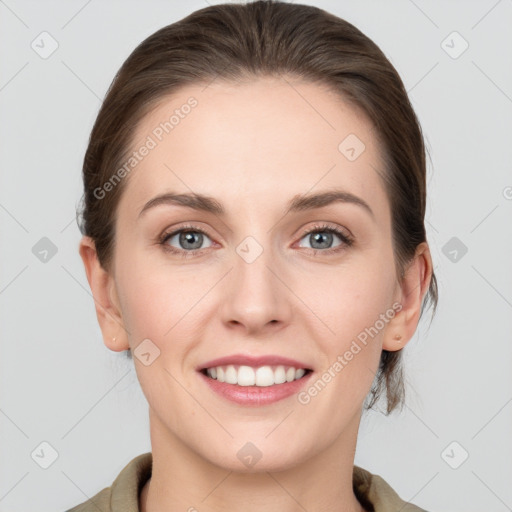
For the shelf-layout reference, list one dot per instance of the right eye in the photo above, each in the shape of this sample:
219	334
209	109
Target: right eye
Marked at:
189	239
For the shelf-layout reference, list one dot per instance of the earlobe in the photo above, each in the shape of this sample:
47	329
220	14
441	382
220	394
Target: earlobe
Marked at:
411	291
105	298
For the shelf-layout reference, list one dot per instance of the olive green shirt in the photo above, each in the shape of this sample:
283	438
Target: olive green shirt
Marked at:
372	491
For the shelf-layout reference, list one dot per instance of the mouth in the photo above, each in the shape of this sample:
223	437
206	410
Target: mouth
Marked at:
261	376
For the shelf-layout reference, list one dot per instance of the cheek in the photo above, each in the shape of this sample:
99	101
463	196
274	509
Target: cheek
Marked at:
155	302
151	299
163	303
350	299
355	304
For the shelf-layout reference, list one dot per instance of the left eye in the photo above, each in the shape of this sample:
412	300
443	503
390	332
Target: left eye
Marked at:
322	238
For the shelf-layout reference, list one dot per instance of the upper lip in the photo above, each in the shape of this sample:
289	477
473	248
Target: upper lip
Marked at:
255	361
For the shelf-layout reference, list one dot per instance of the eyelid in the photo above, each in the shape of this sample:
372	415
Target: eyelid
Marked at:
321	225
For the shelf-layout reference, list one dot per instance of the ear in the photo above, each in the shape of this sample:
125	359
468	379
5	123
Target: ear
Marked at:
410	293
105	297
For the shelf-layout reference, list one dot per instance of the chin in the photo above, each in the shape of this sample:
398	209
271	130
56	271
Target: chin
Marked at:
256	454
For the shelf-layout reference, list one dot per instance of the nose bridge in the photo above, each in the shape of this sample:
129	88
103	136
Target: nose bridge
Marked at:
253	259
256	296
255	250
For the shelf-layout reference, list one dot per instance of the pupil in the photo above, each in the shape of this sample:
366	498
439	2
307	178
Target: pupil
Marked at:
187	237
327	237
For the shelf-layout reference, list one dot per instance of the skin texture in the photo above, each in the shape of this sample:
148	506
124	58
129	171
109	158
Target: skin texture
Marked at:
253	146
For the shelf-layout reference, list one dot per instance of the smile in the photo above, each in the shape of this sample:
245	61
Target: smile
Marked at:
261	376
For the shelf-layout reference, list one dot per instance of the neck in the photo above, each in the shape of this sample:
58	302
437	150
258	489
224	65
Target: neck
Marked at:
182	480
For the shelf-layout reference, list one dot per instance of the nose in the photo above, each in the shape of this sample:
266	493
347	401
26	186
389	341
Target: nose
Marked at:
257	299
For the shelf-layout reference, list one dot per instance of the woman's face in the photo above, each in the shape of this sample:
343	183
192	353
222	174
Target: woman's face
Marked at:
258	283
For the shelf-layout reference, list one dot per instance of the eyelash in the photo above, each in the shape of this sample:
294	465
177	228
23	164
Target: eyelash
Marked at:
346	239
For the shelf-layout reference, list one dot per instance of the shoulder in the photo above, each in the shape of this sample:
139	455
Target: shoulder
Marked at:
123	494
375	493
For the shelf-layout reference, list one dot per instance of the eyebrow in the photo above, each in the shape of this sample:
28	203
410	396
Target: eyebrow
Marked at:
298	203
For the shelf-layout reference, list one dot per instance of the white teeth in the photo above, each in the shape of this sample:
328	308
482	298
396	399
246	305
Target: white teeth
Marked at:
300	373
230	375
245	376
279	375
264	376
249	376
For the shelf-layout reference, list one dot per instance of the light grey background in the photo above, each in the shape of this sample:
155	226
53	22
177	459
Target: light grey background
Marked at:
60	385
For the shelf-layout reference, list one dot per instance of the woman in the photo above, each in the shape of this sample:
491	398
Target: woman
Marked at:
254	235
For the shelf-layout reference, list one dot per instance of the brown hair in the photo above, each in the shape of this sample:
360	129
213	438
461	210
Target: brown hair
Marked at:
267	38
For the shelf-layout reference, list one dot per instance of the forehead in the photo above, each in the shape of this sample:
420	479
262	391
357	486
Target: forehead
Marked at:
261	142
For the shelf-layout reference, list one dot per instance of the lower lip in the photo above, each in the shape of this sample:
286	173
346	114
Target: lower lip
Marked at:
256	395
